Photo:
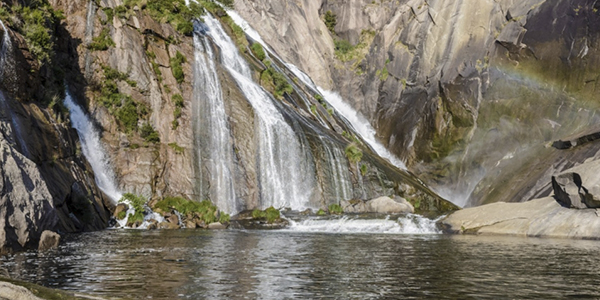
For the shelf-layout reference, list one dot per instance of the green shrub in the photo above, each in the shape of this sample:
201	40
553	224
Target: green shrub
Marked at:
205	209
335	209
137	202
110	14
176	66
258	51
258	214
121	215
102	42
149	134
321	212
343	46
121	12
37	24
175	124
178	100
363	169
313	109
239	36
138	216
272	214
186	28
127	115
353	153
224	218
330	21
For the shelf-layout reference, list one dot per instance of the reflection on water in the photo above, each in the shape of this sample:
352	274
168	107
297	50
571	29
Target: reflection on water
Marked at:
198	264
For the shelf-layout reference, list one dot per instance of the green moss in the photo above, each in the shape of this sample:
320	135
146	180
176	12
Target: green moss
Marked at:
102	42
313	109
363	169
178	149
353	153
176	66
335	209
258	51
239	36
321	213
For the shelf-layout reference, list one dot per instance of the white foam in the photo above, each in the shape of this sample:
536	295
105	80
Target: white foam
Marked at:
409	224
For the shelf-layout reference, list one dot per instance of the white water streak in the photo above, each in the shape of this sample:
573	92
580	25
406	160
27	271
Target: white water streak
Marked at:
409	224
360	124
211	109
286	177
93	150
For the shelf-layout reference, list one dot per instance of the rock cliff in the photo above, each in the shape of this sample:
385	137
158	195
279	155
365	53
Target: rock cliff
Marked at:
132	67
467	93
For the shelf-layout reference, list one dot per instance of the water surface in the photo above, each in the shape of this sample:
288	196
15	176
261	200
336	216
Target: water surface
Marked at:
237	264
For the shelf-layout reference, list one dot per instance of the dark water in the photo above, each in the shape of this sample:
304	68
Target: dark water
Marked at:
198	264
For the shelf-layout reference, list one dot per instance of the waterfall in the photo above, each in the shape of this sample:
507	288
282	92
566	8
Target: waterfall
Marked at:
340	175
286	177
4	50
360	124
93	150
212	121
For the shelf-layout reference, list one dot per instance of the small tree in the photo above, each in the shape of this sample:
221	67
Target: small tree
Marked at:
330	21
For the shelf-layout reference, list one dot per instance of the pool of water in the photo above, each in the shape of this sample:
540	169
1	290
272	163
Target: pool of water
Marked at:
239	264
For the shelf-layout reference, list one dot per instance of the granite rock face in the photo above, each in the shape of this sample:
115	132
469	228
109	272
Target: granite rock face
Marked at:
467	95
578	187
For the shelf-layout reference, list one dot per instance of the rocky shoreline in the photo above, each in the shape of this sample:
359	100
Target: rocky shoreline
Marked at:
572	212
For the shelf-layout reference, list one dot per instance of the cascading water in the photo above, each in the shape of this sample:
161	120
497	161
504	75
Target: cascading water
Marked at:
93	150
408	224
4	50
340	175
358	122
360	125
212	121
286	178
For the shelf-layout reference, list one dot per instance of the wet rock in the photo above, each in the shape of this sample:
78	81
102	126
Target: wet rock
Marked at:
48	240
354	206
121	207
173	219
190	224
153	225
543	217
216	225
387	205
10	291
168	225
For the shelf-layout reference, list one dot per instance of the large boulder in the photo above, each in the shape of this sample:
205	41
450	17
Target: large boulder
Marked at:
14	292
543	217
48	240
26	207
387	205
578	187
354	206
